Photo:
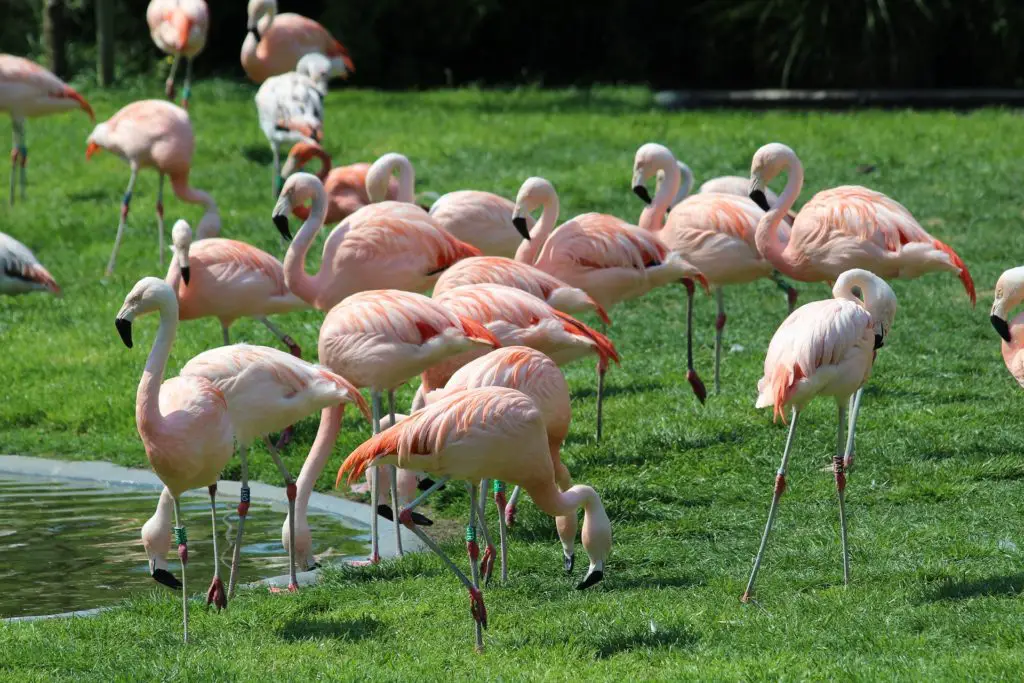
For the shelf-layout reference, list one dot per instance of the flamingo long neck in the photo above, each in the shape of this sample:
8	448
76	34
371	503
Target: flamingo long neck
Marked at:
209	225
325	163
264	22
653	217
530	249
686	186
319	454
406	181
147	399
302	284
767	237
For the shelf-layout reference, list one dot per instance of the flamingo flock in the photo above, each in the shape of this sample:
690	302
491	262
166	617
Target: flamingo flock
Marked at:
475	295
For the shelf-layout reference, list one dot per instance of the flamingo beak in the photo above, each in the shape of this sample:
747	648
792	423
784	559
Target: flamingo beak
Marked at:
641	192
124	329
757	196
184	25
879	341
281	223
1001	327
91	150
186	272
519	223
166	578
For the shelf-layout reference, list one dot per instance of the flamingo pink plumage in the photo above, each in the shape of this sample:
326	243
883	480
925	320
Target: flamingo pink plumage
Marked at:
20	271
179	28
390	245
485	433
482	219
1009	294
345	185
275	43
825	348
154	134
382	338
184	423
27	90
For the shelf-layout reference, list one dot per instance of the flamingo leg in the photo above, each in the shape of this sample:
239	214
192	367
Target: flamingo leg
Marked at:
840	475
160	219
15	155
719	327
510	509
169	84
600	398
290	492
187	90
854	411
243	510
225	336
394	478
22	148
182	542
487	561
691	375
473	551
780	486
293	347
276	182
125	204
374	492
501	504
790	290
477	608
215	595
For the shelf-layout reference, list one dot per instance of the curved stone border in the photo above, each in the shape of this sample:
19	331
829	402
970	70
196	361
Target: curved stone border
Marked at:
356	515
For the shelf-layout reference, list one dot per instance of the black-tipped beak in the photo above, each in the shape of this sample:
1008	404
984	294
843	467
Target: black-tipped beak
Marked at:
166	578
384	511
879	341
124	328
569	561
757	196
1001	327
519	223
281	223
641	192
255	33
186	273
590	579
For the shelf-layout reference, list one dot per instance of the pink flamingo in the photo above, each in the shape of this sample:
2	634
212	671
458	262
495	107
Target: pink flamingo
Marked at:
520	319
825	348
153	134
536	375
486	433
227	280
715	232
179	28
1009	294
482	219
345	185
275	43
390	245
184	423
380	339
606	257
27	90
20	272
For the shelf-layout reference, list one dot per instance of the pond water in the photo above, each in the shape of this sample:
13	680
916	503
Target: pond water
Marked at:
73	545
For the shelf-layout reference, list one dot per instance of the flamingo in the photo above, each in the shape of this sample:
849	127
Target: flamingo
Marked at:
27	90
345	185
518	318
713	230
824	348
153	134
382	338
1009	294
605	257
20	272
184	424
227	280
276	42
290	109
389	245
486	433
481	219
536	375
179	28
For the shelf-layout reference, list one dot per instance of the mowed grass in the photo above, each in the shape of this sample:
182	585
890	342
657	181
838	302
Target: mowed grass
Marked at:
934	501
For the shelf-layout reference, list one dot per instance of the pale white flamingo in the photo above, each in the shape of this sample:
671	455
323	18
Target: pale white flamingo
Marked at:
179	28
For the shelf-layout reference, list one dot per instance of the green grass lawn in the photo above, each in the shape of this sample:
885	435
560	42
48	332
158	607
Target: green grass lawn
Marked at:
934	501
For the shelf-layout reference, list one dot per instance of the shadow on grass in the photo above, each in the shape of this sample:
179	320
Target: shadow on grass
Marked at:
1008	586
649	582
259	154
589	392
88	195
613	644
317	628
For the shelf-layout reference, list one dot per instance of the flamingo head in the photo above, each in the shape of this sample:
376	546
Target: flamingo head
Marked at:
96	140
378	178
1009	293
258	9
534	193
317	68
651	159
767	164
156	539
181	241
301	154
876	296
298	188
149	295
181	29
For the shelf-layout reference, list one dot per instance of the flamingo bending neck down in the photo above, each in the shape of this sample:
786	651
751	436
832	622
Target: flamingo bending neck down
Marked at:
825	348
486	433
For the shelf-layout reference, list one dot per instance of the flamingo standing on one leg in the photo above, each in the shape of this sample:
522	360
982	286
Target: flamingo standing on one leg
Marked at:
20	272
382	338
824	348
27	90
276	42
487	433
518	318
482	219
184	424
712	230
345	185
388	245
154	134
536	375
1009	294
179	28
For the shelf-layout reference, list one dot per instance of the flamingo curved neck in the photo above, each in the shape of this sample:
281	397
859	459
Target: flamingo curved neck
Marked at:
653	217
686	185
530	249
325	164
406	182
319	454
302	284
767	238
147	399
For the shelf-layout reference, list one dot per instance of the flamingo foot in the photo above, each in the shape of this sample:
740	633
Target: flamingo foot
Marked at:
568	561
217	596
487	564
510	515
476	606
745	598
368	562
293	348
697	385
293	587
